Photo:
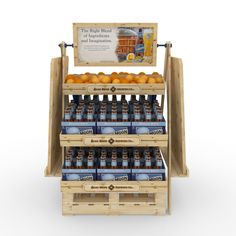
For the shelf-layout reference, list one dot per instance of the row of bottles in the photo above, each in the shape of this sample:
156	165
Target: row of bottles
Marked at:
113	158
87	109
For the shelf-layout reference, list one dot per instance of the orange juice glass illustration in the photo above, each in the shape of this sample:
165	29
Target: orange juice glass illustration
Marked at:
148	40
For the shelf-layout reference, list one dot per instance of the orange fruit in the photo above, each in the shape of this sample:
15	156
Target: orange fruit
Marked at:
69	77
94	79
141	73
141	80
116	81
129	77
78	80
106	80
159	80
155	74
144	77
114	77
70	81
151	80
124	81
84	78
101	73
132	82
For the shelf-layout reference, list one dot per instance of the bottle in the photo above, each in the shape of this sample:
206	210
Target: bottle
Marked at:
90	115
90	161
79	161
123	98
67	115
68	161
137	115
159	115
136	161
125	160
105	98
114	98
148	163
103	115
78	115
148	115
103	161
114	115
114	161
159	162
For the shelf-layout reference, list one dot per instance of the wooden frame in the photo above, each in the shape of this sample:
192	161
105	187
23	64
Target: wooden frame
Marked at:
76	26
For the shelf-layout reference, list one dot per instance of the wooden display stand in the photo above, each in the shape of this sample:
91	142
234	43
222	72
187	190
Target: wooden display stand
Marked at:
118	197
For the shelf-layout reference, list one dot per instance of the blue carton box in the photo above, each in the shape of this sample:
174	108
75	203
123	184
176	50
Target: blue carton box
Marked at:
113	127
78	127
148	174
142	127
114	174
79	174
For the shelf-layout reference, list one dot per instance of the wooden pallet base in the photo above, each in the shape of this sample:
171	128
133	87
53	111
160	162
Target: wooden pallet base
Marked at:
123	198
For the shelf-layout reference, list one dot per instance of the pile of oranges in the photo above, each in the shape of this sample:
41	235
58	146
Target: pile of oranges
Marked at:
115	78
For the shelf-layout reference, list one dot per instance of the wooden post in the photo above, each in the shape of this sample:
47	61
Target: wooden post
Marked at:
64	72
169	152
167	55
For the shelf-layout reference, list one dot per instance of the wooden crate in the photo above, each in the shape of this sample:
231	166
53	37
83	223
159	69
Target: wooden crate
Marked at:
114	198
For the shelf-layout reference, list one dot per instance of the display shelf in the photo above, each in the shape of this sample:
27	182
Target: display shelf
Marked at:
90	89
101	140
114	197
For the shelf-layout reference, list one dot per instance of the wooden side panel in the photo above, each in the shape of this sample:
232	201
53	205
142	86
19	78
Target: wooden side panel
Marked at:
55	111
177	116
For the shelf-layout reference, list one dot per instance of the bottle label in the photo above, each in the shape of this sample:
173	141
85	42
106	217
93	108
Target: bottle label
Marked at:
125	163
102	116
159	163
148	163
78	163
148	116
114	163
67	116
125	116
137	163
159	116
78	116
102	163
114	116
90	163
68	163
137	116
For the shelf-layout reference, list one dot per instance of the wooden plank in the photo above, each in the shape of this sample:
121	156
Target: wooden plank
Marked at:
89	89
76	26
177	135
55	111
114	140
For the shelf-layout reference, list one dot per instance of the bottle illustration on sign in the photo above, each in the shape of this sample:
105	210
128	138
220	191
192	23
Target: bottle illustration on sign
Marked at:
148	40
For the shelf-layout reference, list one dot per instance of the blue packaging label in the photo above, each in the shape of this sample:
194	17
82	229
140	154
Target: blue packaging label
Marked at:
114	130
148	177
148	130
78	177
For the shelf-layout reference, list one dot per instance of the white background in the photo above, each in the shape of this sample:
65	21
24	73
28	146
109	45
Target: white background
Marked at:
202	33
